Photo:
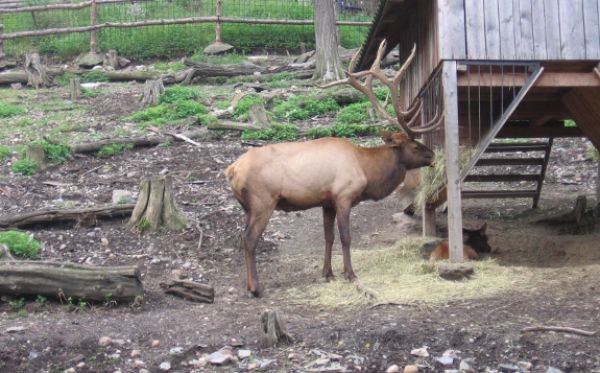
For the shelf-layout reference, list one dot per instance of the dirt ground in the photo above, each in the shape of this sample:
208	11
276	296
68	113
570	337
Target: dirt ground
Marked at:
55	338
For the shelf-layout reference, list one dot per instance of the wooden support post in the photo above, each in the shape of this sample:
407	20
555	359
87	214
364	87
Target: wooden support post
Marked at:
598	183
452	161
429	229
93	22
218	24
1	40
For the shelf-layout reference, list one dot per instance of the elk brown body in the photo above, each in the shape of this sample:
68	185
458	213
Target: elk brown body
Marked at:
330	173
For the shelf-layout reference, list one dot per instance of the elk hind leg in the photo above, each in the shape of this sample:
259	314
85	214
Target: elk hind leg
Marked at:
256	223
328	227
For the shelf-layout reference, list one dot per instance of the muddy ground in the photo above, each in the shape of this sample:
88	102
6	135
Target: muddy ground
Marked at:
485	333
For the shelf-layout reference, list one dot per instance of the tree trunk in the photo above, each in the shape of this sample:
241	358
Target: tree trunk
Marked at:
152	91
68	280
155	207
328	63
37	73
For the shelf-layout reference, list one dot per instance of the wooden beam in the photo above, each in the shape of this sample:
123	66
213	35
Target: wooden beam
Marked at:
549	79
539	131
584	105
452	161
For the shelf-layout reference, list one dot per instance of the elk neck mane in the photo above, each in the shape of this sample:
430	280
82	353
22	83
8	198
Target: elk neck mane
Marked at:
384	170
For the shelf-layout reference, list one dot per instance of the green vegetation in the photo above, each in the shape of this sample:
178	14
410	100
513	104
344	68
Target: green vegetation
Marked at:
9	110
302	108
4	152
570	123
91	93
25	167
354	113
277	132
94	76
241	110
56	153
144	225
169	67
17	304
40	299
179	93
64	78
342	130
225	59
207	120
591	153
21	244
112	150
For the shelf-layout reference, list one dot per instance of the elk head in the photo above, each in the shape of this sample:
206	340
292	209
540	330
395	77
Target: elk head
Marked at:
413	154
409	120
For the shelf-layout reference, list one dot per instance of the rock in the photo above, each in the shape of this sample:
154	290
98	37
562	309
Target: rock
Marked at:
411	369
104	241
137	363
553	370
221	357
445	360
90	60
524	365
123	62
198	363
155	343
119	342
508	368
176	351
80	365
393	369
165	366
123	196
244	354
104	341
135	353
455	271
144	371
466	365
33	355
218	48
15	329
420	352
70	370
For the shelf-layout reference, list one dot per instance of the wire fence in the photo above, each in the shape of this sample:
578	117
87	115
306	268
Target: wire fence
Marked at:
157	41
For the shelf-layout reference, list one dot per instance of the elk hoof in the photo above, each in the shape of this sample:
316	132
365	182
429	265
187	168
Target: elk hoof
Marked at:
255	292
328	274
350	276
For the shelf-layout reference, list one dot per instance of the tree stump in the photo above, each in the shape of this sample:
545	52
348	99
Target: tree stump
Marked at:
155	207
75	88
258	116
111	59
273	330
36	153
37	73
152	91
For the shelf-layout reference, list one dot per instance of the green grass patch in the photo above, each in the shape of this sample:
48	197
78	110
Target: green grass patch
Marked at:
354	113
179	93
111	150
164	113
241	110
207	120
169	67
56	153
64	78
9	110
94	76
225	59
21	244
4	152
591	153
25	167
343	130
302	108
277	132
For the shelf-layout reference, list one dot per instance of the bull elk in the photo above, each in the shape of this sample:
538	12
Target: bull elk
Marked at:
330	173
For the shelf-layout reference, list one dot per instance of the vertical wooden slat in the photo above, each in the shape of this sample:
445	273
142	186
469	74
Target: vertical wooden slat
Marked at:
591	15
507	30
572	34
552	29
539	30
451	32
525	41
93	22
449	82
218	25
474	13
492	29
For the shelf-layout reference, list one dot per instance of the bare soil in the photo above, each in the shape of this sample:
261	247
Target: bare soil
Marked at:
368	339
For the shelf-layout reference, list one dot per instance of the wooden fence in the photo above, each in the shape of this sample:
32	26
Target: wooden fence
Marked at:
217	19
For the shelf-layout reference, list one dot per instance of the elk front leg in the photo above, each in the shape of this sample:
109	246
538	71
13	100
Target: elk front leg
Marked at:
328	226
343	220
256	224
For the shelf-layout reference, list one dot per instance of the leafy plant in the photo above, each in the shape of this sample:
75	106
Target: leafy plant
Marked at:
241	110
25	167
56	153
17	304
179	93
207	120
64	78
301	108
40	299
277	132
112	150
591	153
4	152
21	244
144	225
164	113
9	110
184	109
570	123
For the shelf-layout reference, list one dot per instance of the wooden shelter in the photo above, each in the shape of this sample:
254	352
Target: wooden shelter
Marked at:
494	68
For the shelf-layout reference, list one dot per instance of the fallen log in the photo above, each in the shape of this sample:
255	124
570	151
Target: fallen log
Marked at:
190	290
66	280
88	215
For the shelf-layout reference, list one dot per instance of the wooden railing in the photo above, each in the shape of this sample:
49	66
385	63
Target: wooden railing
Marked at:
217	19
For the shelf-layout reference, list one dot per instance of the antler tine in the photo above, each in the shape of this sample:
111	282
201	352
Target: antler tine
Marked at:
333	84
404	68
431	125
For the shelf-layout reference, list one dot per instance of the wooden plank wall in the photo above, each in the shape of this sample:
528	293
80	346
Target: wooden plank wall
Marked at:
520	29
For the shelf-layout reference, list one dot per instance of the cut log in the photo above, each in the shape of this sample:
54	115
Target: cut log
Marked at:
111	59
67	280
81	216
37	154
37	73
155	207
258	116
152	91
273	330
11	77
190	290
75	88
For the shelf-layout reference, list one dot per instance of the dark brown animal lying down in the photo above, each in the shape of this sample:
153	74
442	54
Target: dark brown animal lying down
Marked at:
330	173
475	243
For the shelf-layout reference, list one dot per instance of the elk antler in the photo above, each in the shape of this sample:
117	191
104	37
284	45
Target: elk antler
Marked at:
405	119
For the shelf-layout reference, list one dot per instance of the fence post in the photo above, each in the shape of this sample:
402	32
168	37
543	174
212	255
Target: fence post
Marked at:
219	13
93	21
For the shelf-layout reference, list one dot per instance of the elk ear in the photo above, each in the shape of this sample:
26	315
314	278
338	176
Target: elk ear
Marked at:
483	228
387	136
